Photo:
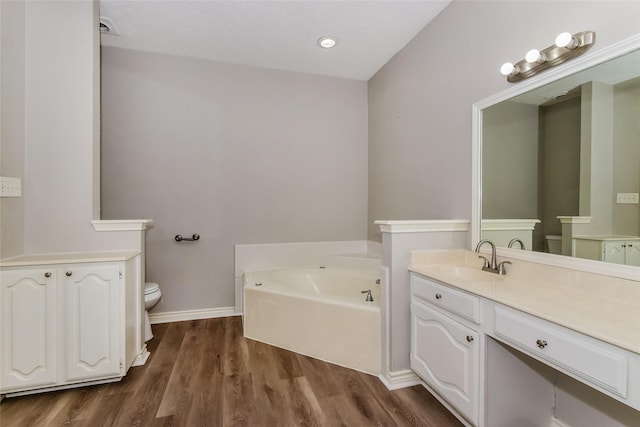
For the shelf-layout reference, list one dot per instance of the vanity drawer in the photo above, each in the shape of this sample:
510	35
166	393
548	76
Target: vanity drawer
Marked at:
452	300
596	362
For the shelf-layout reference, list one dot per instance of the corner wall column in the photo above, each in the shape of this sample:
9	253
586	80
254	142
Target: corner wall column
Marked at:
399	238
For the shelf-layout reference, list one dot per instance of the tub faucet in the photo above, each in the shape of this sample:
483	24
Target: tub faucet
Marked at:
491	266
516	240
369	297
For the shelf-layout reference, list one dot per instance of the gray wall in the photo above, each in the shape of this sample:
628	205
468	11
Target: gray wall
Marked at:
237	154
626	156
12	67
61	122
50	125
560	168
420	101
510	161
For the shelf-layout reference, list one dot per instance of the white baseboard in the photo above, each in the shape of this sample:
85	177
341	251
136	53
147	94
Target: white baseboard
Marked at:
395	380
180	316
557	423
141	358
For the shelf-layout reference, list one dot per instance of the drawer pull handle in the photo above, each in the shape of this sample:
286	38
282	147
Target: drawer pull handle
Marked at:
47	274
469	338
541	343
68	273
438	296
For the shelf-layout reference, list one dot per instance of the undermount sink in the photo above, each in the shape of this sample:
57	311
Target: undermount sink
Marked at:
461	272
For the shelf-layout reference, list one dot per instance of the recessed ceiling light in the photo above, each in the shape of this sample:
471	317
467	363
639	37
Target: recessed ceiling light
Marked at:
107	27
327	42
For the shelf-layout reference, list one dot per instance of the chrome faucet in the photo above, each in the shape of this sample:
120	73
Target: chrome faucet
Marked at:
492	265
369	297
516	240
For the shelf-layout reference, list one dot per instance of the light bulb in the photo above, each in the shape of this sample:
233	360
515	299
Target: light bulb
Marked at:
327	42
508	69
566	40
534	56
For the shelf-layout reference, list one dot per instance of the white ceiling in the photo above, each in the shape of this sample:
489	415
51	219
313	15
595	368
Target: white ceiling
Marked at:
278	34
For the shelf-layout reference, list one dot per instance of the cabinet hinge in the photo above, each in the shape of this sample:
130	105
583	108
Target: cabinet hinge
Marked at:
120	274
121	365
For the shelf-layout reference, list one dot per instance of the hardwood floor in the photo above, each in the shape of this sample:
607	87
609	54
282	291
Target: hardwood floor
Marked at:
205	373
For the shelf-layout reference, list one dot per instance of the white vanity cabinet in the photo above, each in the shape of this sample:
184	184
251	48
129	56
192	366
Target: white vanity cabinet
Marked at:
445	353
29	308
615	249
591	361
65	324
92	321
526	348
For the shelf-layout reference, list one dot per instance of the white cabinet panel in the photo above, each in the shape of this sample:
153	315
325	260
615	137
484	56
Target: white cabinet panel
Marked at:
599	364
67	324
616	250
459	303
28	330
92	321
632	254
445	354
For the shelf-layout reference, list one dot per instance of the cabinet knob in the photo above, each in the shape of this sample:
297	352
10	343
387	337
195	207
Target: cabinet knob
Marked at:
469	338
541	343
47	274
438	296
68	273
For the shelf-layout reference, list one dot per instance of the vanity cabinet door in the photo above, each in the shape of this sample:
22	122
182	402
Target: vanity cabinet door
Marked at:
445	354
622	252
632	253
614	252
92	320
27	328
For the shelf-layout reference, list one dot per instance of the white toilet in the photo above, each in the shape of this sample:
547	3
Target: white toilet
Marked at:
554	244
152	295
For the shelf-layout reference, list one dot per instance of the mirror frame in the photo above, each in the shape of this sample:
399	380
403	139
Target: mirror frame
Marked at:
579	64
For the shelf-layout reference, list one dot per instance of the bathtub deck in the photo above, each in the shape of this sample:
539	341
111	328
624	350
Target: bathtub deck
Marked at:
205	373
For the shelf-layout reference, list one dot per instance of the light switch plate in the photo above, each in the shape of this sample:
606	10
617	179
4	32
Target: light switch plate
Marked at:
628	198
10	187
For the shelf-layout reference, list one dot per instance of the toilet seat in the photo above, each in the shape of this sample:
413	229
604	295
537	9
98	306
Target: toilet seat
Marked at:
151	287
152	295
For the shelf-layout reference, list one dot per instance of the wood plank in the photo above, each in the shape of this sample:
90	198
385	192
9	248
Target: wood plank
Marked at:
207	385
237	402
148	396
319	375
205	373
236	355
358	396
303	402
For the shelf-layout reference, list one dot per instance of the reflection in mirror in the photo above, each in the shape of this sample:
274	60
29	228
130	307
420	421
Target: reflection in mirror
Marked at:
561	165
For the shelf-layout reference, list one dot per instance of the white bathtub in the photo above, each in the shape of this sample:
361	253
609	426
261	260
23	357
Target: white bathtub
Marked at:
318	312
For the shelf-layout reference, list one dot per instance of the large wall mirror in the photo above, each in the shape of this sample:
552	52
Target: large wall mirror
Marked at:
557	161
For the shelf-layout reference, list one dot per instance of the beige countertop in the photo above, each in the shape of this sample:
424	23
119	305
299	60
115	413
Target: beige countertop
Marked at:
607	237
67	258
606	308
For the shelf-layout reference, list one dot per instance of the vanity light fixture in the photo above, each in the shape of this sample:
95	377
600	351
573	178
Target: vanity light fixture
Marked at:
535	57
567	40
327	42
566	46
508	69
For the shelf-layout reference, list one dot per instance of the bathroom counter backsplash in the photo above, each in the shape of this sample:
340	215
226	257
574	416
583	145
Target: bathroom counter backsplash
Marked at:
67	258
600	306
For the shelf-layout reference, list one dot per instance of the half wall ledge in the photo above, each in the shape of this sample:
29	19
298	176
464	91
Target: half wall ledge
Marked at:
121	224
